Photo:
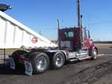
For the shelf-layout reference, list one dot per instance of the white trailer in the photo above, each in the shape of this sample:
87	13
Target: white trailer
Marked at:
14	34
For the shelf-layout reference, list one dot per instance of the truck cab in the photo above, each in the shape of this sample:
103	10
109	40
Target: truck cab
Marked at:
78	41
75	39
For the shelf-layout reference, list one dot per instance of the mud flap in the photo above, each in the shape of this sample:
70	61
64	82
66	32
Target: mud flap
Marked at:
12	63
28	68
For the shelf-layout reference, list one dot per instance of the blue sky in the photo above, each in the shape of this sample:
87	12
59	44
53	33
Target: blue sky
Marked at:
41	16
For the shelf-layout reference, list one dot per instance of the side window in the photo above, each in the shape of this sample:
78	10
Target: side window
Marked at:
69	34
66	34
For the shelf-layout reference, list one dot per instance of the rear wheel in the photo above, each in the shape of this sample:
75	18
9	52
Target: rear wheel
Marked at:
40	62
58	60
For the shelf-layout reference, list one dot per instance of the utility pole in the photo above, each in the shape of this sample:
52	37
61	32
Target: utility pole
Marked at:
79	24
58	33
78	14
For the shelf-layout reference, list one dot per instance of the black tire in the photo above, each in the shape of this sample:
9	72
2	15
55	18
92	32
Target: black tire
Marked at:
15	55
40	62
93	53
58	60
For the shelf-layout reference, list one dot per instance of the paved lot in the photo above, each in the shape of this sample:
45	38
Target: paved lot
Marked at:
85	72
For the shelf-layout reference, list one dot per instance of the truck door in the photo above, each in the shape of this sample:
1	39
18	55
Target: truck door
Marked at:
66	38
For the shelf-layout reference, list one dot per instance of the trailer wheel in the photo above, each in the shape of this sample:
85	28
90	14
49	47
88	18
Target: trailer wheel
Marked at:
93	53
58	60
40	62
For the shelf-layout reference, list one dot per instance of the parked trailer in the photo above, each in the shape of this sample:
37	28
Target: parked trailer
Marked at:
14	34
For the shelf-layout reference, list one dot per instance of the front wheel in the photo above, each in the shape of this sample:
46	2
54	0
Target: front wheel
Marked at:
93	53
58	60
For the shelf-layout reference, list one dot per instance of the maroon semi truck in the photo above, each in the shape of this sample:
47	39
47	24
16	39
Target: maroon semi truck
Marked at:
72	47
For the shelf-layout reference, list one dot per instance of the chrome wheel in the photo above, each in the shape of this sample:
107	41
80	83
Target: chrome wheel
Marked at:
41	63
93	53
58	60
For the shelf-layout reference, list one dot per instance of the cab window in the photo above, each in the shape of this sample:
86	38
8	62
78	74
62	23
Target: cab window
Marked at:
69	34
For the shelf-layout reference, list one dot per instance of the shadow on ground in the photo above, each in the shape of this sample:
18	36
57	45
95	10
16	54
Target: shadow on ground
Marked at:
5	70
110	46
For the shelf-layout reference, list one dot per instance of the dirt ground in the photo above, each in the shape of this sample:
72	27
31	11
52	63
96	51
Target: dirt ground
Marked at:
100	74
103	45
